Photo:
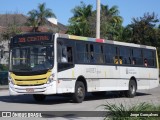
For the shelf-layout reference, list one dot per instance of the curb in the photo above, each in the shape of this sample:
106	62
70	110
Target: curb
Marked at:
4	87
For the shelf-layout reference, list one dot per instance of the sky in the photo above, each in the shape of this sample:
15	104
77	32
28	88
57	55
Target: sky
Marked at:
62	8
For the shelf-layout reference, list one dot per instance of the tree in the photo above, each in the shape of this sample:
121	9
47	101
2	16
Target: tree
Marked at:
158	43
143	30
111	23
127	34
38	17
83	22
79	21
33	19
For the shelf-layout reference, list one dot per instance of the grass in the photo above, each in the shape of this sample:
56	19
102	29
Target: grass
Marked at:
141	110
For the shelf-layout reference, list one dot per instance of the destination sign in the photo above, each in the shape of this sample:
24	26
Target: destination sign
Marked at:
31	38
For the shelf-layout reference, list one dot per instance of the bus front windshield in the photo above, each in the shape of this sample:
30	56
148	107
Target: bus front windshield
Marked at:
32	58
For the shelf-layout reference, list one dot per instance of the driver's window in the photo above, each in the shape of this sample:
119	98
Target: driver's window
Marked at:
69	55
65	56
62	53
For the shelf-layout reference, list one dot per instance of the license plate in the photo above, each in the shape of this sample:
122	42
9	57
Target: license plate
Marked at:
30	90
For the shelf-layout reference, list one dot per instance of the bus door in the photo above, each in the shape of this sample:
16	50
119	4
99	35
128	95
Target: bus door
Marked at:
65	57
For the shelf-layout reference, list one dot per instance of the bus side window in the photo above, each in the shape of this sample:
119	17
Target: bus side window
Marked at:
145	62
92	56
86	53
124	55
133	61
120	60
137	55
69	54
64	54
149	58
109	54
116	60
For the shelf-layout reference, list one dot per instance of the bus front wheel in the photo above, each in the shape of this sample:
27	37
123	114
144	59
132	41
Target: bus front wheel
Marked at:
39	97
79	93
132	89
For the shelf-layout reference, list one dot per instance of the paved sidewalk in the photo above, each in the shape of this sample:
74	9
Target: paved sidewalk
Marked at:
3	87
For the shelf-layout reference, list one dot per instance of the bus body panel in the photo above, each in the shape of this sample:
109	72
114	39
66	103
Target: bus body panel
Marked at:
103	78
46	89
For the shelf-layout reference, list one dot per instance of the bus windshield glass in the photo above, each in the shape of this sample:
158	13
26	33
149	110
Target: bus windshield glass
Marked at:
32	58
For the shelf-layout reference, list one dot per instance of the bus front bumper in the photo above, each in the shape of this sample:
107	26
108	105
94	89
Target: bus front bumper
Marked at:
46	89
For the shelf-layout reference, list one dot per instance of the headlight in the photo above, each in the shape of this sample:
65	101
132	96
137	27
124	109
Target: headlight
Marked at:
10	79
50	79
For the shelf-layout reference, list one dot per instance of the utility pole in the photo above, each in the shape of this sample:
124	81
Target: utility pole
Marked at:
98	20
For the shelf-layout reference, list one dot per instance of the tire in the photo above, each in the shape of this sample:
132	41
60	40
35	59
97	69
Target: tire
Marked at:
39	97
99	94
79	93
132	89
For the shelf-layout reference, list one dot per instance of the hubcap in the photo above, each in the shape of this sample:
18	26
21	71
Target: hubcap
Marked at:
133	89
80	92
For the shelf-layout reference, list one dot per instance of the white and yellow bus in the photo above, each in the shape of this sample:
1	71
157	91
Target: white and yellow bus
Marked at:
44	63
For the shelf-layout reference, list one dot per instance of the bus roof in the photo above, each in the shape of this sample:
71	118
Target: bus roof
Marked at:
74	37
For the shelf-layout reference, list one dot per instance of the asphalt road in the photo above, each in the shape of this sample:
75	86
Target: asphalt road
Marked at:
60	103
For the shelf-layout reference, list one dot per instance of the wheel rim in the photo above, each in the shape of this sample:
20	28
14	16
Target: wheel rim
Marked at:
133	89
80	92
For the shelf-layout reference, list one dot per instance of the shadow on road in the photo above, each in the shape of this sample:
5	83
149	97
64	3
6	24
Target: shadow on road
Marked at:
60	99
111	95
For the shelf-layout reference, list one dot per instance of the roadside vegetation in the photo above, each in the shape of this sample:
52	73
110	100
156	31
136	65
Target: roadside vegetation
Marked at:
141	111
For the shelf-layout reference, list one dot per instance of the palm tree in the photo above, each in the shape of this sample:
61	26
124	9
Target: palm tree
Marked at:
43	13
80	20
112	13
38	17
33	20
111	22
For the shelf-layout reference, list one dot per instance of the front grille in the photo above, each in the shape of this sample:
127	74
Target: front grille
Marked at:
30	79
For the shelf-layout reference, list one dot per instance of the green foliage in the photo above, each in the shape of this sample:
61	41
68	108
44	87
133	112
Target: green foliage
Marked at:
142	30
121	112
32	20
79	22
158	41
83	22
111	22
38	17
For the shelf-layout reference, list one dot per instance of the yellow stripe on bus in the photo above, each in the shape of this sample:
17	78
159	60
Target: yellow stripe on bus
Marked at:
30	80
37	82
